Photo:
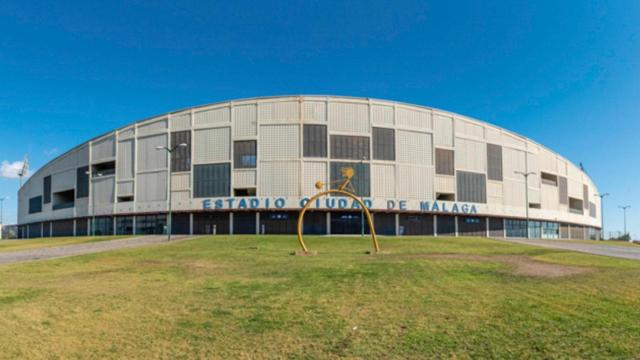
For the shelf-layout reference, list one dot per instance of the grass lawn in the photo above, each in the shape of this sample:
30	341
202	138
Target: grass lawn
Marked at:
246	297
607	242
28	244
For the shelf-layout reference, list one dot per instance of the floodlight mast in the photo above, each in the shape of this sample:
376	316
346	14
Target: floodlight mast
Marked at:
169	150
526	193
624	210
603	235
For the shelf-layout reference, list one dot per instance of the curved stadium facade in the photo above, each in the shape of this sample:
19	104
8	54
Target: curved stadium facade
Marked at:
248	166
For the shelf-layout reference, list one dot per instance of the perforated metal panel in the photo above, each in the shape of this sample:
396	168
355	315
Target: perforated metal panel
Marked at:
494	162
149	157
104	190
211	180
127	133
245	121
514	193
445	162
384	144
416	148
279	112
314	111
212	145
513	141
445	184
313	172
469	129
151	187
413	118
212	117
279	179
181	122
315	140
64	181
471	155
103	149
244	178
181	155
409	188
384	181
125	188
495	193
349	147
152	127
382	115
349	117
180	182
443	130
472	187
279	142
585	196
513	160
125	163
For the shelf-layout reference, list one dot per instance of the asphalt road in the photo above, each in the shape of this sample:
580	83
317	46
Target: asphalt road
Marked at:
11	257
597	248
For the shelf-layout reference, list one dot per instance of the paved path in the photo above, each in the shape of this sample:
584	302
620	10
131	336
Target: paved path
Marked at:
86	248
598	247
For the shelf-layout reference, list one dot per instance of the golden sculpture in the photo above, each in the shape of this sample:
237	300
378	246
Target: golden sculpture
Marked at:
347	174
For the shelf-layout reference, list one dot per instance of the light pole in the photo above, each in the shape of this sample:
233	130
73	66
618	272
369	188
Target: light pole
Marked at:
361	175
2	199
93	200
169	150
624	210
526	193
602	196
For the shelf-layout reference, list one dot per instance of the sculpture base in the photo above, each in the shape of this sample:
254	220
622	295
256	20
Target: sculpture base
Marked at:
370	252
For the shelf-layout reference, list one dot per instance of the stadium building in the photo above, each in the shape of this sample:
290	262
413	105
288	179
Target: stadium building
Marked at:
248	166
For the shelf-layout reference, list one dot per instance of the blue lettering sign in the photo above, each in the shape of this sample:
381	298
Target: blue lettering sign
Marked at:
206	204
279	203
403	204
391	204
254	203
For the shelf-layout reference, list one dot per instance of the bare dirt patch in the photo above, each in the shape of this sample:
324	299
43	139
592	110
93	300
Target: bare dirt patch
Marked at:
522	265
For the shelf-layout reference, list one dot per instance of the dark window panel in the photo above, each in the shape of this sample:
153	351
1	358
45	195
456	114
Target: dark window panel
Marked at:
416	224
35	205
360	181
349	147
445	162
244	154
244	223
180	224
82	227
279	222
384	144
124	225
494	162
211	180
446	225
516	228
347	223
61	228
472	187
151	224
549	179
496	227
592	210
315	223
213	223
585	196
46	229
35	230
82	182
181	156
315	141
384	224
563	190
472	226
47	189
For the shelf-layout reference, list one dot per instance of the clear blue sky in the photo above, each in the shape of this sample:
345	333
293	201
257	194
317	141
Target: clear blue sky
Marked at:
564	73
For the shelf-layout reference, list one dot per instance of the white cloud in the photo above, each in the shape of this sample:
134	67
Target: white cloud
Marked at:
10	170
52	151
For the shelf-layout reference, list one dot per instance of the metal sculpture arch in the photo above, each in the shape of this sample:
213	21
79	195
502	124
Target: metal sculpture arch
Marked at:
347	173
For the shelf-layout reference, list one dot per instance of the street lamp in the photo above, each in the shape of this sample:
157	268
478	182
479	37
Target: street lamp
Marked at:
602	196
526	192
169	150
93	200
361	176
624	210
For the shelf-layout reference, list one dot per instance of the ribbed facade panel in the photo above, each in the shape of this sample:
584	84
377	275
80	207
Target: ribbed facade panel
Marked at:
443	130
279	179
493	135
514	194
212	117
445	184
494	162
181	122
314	111
152	127
125	188
279	112
180	182
409	188
413	118
313	172
151	187
64	181
245	121
471	187
212	180
384	185
533	166
212	145
244	178
279	142
382	115
416	148
548	161
468	129
513	141
471	155
495	192
104	190
149	157
126	159
549	197
358	115
103	149
513	160
127	133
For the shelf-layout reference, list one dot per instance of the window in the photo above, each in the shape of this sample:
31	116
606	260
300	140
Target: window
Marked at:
103	225
46	189
244	154
244	192
534	206
122	199
549	179
181	155
104	169
349	147
124	225
494	162
151	224
211	180
82	182
445	163
516	228
384	144
35	205
315	141
360	180
575	206
445	197
550	230
64	199
472	187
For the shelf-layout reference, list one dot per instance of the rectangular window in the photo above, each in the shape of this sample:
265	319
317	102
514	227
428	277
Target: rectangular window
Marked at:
151	224
472	187
244	192
361	178
516	228
445	196
181	155
82	182
315	141
64	200
104	169
563	190
124	225
575	206
211	180
494	162
47	189
35	205
549	179
244	154
384	144
445	162
349	147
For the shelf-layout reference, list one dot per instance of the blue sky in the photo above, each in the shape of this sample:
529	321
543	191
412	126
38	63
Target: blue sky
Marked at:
564	73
